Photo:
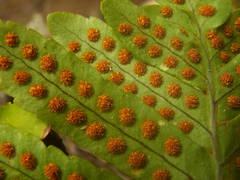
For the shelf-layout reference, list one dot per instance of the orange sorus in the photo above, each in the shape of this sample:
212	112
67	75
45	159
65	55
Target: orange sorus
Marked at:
161	174
194	55
174	90
149	100
11	39
7	149
48	63
85	89
166	11
140	68
137	160
76	117
188	73
144	21
21	77
52	171
95	130
28	161
57	104
226	79
191	101
126	116
38	91
166	113
5	63
29	51
116	77
233	101
116	145
89	57
66	77
73	46
224	56
185	126
207	10
130	88
177	43
170	61
93	34
125	29
159	31
108	44
172	146
155	79
104	103
139	40
154	51
103	66
124	56
75	176
149	129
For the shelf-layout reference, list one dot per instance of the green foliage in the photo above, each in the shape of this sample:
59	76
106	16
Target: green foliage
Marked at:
181	72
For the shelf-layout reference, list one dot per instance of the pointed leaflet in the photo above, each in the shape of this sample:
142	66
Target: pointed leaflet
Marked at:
37	93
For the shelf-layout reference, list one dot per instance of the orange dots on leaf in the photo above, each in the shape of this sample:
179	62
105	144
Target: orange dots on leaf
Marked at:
149	129
75	176
188	73
177	43
140	41
125	29
235	48
191	101
140	68
21	77
144	21
29	51
237	24
194	55
89	57
228	31
170	61
5	63
95	131
179	1
150	100
217	42
7	149
172	146
237	69
38	91
103	66
207	10
104	103
52	171
224	56
126	116
226	79
57	105
85	89
11	39
124	57
154	51
108	44
155	79
93	34
28	161
48	63
66	77
233	102
161	174
73	46
137	160
116	145
174	90
166	11
166	113
159	32
116	77
185	126
76	117
130	88
211	34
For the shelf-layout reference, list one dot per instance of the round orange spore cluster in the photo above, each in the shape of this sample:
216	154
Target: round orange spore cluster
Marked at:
194	55
237	69
174	90
73	46
130	88
140	41
89	57
5	63
154	51
207	10
179	1
108	44
28	161
228	31
76	117
177	43
2	174
155	79
52	171
224	56
48	63
29	51
7	149
124	57
11	39
75	176
217	42
159	31
149	129
126	116
38	91
85	89
226	79
140	68
95	130
150	100
191	101
21	77
66	77
93	34
170	61
116	145
137	160
57	104
235	48
188	73
166	11
166	113
172	146
144	21
116	77
233	101
161	174
103	66
211	34
185	126
237	24
125	29
104	103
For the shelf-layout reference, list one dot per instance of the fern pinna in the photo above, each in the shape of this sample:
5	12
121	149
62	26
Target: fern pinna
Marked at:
154	92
